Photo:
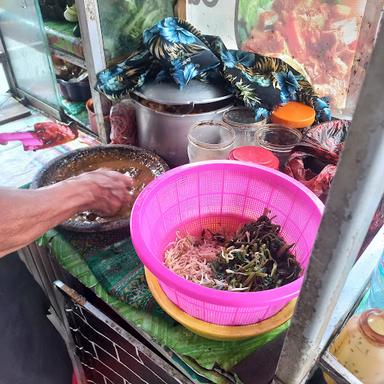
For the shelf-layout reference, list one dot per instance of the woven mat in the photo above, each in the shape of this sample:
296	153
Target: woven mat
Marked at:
121	274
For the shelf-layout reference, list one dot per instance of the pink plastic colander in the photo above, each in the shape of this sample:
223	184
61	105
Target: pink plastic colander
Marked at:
214	195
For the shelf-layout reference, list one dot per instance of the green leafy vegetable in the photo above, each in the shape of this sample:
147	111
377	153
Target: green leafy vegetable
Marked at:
255	259
123	22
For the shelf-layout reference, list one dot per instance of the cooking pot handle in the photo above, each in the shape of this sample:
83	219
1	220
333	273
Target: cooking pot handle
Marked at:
191	105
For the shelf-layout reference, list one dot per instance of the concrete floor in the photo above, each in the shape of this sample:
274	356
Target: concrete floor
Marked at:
31	350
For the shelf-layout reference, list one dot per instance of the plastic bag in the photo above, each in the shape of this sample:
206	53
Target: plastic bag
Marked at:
330	135
313	162
123	123
376	224
311	169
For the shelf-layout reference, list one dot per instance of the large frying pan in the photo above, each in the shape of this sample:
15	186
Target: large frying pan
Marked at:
117	157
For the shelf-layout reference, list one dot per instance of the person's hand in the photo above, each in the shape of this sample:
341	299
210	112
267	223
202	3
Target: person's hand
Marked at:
105	191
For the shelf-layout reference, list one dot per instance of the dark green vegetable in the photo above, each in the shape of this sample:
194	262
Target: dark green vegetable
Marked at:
255	259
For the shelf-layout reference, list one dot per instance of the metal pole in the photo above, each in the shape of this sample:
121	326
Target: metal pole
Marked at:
92	40
355	195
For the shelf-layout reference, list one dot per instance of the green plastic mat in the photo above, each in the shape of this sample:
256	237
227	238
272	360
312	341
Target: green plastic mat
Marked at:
211	361
76	110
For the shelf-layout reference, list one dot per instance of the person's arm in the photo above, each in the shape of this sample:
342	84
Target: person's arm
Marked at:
27	214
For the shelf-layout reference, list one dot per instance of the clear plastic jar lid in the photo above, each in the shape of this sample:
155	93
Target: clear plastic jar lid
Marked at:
372	325
241	117
277	138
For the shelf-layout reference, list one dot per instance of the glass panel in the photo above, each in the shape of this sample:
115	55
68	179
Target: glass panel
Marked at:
330	41
123	21
4	87
318	37
25	43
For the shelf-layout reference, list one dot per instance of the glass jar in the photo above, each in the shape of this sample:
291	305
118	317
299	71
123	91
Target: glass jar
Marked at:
279	140
242	120
210	140
360	347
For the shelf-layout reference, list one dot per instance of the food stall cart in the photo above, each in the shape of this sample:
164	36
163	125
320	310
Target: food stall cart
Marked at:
135	342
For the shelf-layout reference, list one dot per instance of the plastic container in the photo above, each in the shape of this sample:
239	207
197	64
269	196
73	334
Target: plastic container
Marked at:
279	140
360	347
255	155
375	295
92	116
294	115
242	120
123	123
216	195
210	140
75	91
70	14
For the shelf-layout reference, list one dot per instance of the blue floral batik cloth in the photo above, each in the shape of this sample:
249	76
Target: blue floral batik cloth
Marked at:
174	50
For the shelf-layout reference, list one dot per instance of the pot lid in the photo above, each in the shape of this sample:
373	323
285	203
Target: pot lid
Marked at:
195	92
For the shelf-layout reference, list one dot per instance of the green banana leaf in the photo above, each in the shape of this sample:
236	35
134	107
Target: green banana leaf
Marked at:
205	359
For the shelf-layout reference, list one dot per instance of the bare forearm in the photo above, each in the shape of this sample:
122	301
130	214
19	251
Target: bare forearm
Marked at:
27	214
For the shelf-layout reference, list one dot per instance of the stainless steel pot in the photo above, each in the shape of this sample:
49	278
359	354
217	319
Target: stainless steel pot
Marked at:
167	133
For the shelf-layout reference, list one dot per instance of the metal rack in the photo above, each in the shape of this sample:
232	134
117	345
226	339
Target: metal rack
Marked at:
93	332
113	354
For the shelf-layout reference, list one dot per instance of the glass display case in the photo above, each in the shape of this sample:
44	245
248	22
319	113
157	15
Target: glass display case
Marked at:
26	49
330	42
86	38
123	22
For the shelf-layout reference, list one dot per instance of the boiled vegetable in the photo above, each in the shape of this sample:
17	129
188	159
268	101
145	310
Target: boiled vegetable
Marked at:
255	258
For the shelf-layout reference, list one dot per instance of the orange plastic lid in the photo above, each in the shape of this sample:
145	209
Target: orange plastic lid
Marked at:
294	115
